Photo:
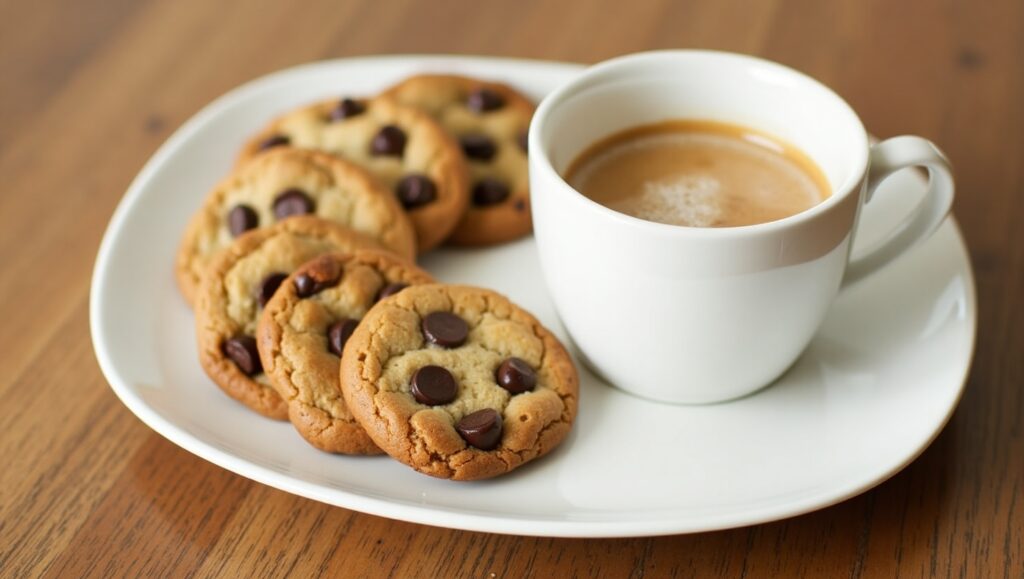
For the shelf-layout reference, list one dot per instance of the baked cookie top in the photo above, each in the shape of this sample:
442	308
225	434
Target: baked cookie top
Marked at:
286	182
303	330
236	286
490	120
405	149
458	382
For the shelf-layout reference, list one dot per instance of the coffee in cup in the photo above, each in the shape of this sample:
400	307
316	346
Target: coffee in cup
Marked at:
698	173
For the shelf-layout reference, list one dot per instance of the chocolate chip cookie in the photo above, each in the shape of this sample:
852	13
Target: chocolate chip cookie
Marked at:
303	330
411	155
287	182
490	121
238	283
458	382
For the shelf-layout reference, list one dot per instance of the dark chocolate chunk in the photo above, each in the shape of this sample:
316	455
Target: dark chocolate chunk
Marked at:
390	290
242	218
339	333
524	141
390	140
478	147
415	190
307	284
481	429
445	329
489	191
433	386
274	141
242	351
268	286
317	276
483	100
292	201
516	376
347	108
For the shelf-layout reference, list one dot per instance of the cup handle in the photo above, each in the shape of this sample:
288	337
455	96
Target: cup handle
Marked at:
888	157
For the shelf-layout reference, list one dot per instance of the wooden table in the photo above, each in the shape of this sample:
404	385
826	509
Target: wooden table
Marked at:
88	90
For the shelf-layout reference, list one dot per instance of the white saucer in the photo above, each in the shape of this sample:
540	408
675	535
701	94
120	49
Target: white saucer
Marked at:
877	384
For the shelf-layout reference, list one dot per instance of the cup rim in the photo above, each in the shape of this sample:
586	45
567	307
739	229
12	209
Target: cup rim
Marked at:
540	159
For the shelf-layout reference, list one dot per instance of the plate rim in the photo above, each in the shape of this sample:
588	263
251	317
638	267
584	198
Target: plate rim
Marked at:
438	515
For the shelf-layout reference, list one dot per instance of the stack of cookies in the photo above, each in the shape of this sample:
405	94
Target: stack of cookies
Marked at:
300	266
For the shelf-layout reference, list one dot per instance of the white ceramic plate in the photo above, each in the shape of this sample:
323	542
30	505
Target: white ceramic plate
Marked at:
875	387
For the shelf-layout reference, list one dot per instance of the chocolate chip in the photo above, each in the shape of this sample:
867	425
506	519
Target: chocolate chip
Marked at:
445	329
242	218
292	202
274	141
317	275
390	290
415	190
242	351
268	286
489	191
390	140
433	386
520	205
478	147
481	429
516	376
307	285
347	108
483	100
339	333
524	141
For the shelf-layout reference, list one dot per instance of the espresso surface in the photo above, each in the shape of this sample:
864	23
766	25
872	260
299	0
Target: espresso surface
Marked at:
698	174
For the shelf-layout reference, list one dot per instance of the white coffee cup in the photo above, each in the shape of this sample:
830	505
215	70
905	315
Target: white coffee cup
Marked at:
698	315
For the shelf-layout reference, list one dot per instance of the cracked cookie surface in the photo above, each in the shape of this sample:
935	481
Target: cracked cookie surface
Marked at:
300	336
402	147
285	182
234	289
470	334
490	120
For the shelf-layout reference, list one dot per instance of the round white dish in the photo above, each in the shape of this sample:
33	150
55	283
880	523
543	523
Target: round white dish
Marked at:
877	384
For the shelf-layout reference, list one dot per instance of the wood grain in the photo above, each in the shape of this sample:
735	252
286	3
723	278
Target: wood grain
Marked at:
88	90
